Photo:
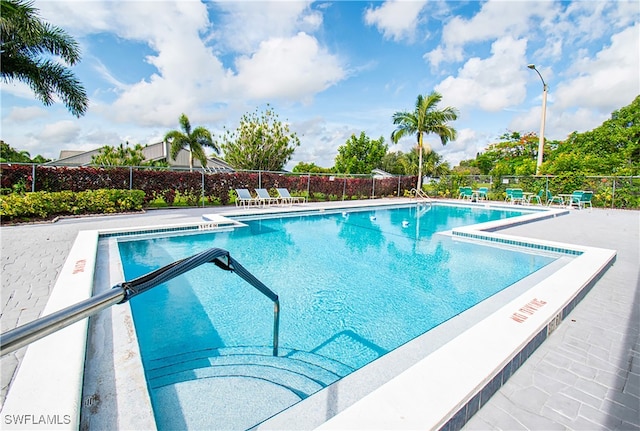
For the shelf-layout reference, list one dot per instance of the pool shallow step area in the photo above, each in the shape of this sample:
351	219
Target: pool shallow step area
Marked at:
249	376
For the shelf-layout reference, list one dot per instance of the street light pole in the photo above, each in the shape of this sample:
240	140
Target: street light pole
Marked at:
544	114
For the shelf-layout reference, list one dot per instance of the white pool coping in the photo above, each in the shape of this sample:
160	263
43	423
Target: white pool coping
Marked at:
425	396
47	389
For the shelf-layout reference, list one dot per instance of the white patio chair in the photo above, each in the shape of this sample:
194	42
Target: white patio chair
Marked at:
286	197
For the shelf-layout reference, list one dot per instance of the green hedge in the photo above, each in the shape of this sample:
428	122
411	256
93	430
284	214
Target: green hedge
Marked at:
45	205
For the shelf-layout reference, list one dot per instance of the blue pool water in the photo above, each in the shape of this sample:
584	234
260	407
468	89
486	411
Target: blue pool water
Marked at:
352	286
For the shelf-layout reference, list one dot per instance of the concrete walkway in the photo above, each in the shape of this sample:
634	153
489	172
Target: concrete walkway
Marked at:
585	376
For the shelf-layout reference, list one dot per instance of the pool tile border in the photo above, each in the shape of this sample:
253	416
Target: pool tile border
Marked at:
517	243
208	224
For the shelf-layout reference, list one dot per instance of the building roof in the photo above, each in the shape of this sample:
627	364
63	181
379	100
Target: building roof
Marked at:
379	173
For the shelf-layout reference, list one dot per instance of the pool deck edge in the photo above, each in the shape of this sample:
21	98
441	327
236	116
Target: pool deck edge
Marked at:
49	407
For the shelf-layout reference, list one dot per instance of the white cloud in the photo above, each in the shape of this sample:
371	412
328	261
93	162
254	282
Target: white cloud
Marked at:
558	123
468	143
607	81
281	62
106	74
60	132
98	137
186	78
396	19
26	114
242	28
18	89
290	69
494	83
78	17
495	20
319	141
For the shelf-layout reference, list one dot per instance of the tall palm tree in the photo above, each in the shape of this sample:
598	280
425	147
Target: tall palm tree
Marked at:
194	140
27	43
425	119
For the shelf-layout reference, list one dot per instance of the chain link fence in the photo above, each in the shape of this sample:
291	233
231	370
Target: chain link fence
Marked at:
609	191
197	187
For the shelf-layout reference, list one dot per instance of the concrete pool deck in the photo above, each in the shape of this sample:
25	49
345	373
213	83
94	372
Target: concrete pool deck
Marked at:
33	255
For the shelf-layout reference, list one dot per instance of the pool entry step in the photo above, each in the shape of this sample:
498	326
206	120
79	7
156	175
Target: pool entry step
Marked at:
201	385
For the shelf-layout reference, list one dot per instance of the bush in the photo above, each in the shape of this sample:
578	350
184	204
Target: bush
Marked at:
46	205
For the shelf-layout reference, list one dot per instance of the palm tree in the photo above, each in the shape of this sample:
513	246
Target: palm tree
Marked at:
425	119
433	164
194	140
27	44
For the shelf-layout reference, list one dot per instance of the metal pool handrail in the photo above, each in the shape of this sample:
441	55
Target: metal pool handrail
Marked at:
121	293
421	194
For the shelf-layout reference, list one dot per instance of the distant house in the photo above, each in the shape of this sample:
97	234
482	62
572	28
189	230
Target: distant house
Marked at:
152	152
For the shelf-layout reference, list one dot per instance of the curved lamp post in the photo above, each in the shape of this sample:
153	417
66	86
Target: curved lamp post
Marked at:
544	111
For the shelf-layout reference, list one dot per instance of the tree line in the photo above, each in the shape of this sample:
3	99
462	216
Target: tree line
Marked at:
613	148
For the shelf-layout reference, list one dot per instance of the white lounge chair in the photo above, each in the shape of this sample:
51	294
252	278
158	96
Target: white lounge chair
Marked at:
264	198
286	197
245	199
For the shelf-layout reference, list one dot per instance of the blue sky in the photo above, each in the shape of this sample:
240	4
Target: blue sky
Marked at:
332	69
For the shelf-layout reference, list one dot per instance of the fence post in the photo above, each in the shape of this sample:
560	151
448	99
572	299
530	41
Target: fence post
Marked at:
398	193
546	188
613	193
202	173
344	187
130	177
33	178
260	179
308	187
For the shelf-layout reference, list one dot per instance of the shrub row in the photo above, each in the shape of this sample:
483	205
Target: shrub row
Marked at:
45	205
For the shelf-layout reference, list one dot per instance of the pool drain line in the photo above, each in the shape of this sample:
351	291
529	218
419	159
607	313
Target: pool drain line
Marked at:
121	293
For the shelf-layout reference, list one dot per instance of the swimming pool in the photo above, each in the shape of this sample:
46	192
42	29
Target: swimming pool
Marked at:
93	371
353	285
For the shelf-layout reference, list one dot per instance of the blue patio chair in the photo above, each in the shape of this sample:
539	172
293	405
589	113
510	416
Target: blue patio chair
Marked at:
465	193
583	200
575	198
537	198
517	195
507	197
483	192
551	199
